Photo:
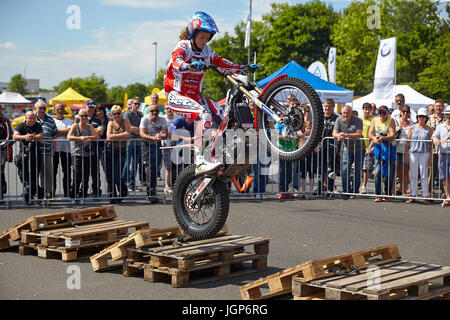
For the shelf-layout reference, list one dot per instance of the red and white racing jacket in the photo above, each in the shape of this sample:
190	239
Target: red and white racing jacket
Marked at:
189	82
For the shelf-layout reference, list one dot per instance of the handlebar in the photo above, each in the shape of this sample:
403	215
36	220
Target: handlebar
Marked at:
251	68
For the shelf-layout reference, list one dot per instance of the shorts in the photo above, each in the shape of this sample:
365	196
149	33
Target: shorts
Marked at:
368	161
444	166
401	158
167	158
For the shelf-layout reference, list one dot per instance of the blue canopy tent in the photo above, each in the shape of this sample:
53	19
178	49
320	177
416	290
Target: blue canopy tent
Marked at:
323	88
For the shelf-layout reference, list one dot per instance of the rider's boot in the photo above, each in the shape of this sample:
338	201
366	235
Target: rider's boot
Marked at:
203	166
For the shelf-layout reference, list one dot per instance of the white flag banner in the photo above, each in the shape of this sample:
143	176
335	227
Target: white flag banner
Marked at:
384	80
248	21
332	65
318	69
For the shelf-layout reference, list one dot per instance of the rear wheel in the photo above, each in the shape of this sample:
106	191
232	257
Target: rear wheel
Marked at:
208	215
288	140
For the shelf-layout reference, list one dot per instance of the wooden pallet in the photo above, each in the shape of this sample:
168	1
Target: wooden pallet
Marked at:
218	258
56	220
400	280
138	239
280	283
141	238
61	253
83	235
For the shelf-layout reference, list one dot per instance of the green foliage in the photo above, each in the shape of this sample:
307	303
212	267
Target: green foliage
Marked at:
93	87
18	84
137	90
420	47
116	94
301	33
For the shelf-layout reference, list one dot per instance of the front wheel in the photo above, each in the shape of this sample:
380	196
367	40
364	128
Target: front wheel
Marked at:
298	104
209	214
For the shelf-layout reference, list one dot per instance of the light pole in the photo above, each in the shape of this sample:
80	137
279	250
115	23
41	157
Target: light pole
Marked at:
156	55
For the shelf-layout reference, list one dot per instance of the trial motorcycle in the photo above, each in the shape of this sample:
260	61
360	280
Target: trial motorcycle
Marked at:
201	202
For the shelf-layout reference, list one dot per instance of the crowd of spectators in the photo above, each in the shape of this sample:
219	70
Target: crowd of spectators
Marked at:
400	149
395	147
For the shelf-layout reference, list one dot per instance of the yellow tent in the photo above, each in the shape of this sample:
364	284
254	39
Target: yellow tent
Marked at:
161	94
69	96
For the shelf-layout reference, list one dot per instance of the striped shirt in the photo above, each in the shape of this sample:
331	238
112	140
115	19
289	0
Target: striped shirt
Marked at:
50	129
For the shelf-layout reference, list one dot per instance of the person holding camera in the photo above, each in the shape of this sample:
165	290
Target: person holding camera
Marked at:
30	133
382	133
81	133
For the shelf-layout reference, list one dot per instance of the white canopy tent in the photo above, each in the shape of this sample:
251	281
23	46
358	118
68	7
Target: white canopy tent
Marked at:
413	99
12	98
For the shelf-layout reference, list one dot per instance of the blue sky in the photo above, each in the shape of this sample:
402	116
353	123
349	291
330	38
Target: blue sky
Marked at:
114	39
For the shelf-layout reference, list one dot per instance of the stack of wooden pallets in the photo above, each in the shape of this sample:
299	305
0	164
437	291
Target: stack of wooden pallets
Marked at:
161	254
374	274
189	262
399	280
68	235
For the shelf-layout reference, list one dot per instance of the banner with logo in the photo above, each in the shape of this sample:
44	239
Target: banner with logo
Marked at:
332	65
384	81
318	69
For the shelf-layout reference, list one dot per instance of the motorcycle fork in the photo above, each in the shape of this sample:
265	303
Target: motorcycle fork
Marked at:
207	181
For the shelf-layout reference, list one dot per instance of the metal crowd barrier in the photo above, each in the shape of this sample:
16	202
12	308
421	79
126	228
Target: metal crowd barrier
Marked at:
30	177
333	170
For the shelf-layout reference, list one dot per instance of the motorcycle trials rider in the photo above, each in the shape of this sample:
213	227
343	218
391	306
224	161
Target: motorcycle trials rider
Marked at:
183	80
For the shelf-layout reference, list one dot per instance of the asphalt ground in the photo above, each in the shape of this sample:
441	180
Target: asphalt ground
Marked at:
299	230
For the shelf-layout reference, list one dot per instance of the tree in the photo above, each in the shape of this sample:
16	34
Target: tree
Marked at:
18	84
116	94
434	79
301	33
418	29
137	90
93	87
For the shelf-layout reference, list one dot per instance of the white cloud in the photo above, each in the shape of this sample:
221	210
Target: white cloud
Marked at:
121	56
7	45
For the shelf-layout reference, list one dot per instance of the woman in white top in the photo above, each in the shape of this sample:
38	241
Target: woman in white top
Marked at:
417	150
402	128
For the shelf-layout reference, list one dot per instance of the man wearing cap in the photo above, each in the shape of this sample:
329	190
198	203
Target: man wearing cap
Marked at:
441	139
98	126
400	102
382	133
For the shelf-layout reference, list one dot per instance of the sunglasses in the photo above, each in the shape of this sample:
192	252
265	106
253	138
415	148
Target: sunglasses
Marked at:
136	104
404	111
152	111
399	101
83	115
116	114
382	112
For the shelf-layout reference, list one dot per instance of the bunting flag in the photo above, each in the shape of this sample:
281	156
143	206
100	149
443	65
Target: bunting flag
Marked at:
384	80
248	21
332	65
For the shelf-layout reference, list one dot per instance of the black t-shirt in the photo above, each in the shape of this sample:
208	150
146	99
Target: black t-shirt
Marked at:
329	125
23	129
96	122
